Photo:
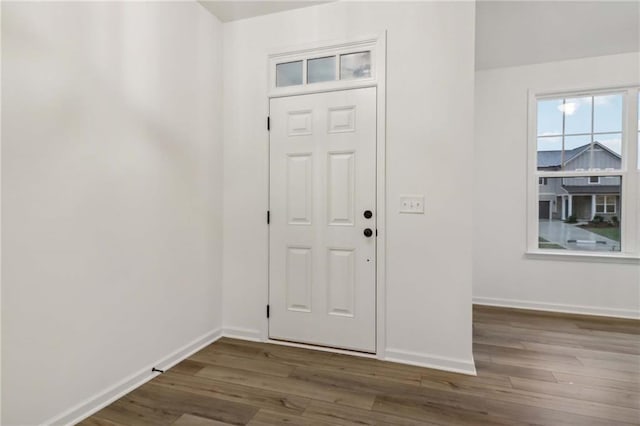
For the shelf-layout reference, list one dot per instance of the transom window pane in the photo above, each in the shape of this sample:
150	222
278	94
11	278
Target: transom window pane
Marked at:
321	69
289	74
355	65
574	214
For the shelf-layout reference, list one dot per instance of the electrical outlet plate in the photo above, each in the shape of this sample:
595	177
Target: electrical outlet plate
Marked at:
412	204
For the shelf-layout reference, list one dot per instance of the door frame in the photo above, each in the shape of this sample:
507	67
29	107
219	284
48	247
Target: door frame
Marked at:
377	44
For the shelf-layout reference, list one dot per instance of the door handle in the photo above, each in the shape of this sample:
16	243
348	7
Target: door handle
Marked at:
368	232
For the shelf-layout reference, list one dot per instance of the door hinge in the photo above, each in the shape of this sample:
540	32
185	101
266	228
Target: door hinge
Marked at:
268	123
267	311
268	217
376	232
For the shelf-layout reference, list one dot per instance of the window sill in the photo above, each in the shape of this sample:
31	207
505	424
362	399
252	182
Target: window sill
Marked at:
583	256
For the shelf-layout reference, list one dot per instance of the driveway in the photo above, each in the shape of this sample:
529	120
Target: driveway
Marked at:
572	237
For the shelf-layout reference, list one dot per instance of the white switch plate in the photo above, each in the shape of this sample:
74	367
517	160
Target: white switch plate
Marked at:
412	204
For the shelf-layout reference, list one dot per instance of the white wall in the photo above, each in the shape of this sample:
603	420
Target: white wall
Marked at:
429	151
111	195
501	272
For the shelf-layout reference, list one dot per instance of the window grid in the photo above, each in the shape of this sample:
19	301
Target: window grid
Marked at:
606	204
609	205
338	74
591	134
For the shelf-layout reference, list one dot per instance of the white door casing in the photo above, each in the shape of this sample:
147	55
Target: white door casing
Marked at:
322	269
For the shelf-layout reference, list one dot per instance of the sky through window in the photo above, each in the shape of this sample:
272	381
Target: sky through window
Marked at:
581	120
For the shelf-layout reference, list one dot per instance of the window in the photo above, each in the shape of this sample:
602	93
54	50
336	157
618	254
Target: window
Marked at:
338	67
328	65
321	69
606	204
569	128
289	74
584	158
355	65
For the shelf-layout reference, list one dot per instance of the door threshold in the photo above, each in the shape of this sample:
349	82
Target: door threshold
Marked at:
322	348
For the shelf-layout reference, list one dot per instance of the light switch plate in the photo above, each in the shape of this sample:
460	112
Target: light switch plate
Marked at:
412	204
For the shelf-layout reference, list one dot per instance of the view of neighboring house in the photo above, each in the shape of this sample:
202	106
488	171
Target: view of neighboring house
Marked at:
582	197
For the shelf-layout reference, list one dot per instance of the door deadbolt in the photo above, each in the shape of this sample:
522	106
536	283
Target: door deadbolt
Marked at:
368	214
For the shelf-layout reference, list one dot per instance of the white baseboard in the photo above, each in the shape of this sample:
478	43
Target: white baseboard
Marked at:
102	399
557	307
242	334
431	361
95	403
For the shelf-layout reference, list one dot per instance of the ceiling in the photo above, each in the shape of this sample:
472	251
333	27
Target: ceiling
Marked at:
233	10
511	33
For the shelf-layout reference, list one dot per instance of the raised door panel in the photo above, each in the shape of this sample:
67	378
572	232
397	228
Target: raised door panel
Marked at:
341	188
299	123
341	282
342	119
299	279
299	189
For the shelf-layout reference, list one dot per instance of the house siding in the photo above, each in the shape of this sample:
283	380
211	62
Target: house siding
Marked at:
601	159
581	181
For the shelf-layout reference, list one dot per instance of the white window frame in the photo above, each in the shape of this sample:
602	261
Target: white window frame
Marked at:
629	173
376	44
607	198
593	183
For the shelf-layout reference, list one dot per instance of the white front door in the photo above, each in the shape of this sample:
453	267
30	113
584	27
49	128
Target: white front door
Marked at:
322	243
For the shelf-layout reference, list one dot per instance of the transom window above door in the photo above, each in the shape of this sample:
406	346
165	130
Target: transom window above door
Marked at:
341	66
327	66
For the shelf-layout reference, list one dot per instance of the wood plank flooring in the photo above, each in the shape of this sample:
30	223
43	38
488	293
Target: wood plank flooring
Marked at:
534	368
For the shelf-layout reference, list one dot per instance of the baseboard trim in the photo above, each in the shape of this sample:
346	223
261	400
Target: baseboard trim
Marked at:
102	399
243	334
95	403
557	307
431	361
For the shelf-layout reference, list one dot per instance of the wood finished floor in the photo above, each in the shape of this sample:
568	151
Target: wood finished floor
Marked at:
533	369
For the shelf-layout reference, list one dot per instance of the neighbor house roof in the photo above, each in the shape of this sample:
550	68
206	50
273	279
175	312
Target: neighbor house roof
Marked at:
550	159
592	189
